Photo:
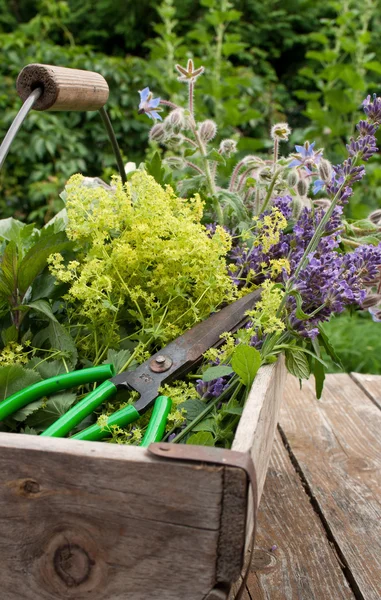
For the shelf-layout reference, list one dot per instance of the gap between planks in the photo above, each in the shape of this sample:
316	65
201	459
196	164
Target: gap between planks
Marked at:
336	447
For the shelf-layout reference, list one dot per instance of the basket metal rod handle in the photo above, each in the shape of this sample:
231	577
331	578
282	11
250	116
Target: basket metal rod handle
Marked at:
47	87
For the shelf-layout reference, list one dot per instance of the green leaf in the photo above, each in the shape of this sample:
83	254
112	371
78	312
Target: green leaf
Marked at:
9	269
190	152
41	306
60	339
193	408
328	347
208	424
54	408
374	66
216	372
297	364
246	362
202	438
216	156
118	358
16	231
35	260
319	373
9	335
46	368
27	410
14	378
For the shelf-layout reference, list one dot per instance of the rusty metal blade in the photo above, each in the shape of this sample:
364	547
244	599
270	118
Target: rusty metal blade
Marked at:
180	355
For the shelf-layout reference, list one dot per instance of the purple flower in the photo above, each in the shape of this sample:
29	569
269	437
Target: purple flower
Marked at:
372	108
318	186
149	105
211	389
306	156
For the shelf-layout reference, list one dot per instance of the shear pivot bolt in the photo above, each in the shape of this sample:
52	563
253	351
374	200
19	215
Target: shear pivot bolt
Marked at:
160	364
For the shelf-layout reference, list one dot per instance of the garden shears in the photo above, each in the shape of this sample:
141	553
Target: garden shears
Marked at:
172	362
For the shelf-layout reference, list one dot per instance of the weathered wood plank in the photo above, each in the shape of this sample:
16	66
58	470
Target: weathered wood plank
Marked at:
304	565
256	429
371	385
78	518
336	443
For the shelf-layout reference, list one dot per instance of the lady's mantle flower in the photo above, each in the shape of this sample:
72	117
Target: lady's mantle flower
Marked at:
306	156
189	74
149	105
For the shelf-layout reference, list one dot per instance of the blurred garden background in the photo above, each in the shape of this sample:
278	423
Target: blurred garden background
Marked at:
308	63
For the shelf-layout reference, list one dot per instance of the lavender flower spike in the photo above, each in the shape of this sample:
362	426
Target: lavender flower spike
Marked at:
149	105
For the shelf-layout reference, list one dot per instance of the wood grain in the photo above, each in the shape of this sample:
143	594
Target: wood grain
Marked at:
63	88
336	445
304	565
371	385
78	518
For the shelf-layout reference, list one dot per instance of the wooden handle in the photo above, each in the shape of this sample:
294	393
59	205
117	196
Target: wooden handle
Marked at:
64	89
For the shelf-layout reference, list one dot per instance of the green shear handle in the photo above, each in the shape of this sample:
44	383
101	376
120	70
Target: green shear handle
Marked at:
92	401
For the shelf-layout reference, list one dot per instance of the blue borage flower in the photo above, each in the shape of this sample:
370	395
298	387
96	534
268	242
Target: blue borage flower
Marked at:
149	105
306	157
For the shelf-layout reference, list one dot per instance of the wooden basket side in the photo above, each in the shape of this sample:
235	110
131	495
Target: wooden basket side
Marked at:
80	518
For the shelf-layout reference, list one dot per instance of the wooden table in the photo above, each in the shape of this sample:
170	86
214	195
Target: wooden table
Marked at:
321	505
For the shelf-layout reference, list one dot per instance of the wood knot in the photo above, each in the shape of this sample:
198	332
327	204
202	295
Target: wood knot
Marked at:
29	487
72	564
263	561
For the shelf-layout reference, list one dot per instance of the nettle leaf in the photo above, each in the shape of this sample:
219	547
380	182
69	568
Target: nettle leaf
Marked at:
193	408
246	362
297	364
14	378
27	410
216	372
9	335
60	339
54	408
48	368
34	261
202	438
118	358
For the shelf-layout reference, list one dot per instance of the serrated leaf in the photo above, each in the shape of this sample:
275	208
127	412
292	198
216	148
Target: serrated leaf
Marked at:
193	408
27	410
202	438
14	378
246	362
54	408
60	339
118	358
297	364
216	372
46	368
9	335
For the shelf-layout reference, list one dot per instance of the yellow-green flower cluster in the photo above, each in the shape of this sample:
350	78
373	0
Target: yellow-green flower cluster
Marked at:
269	228
13	354
147	262
264	315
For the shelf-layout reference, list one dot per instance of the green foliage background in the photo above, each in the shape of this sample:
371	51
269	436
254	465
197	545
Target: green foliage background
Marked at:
308	63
